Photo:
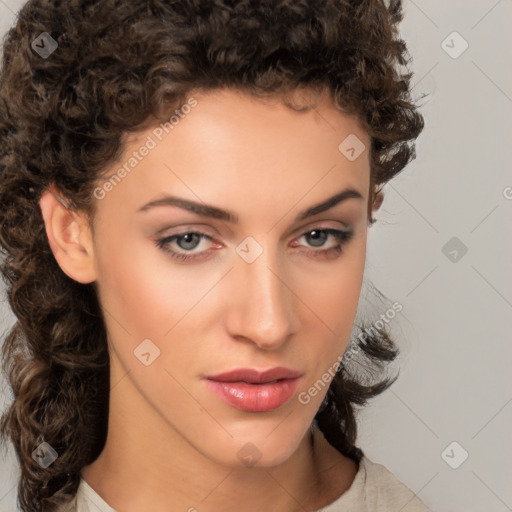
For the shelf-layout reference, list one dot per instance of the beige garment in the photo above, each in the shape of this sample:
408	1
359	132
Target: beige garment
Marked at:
374	489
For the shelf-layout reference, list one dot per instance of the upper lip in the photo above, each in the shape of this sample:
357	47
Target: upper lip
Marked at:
253	376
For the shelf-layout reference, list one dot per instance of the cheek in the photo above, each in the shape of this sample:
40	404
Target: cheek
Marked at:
333	297
334	291
136	288
147	296
144	299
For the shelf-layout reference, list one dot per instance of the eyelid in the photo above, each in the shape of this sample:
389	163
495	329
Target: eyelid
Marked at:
185	228
214	234
321	224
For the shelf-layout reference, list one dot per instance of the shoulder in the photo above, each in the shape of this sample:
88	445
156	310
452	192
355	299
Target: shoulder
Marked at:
376	489
70	506
384	491
86	499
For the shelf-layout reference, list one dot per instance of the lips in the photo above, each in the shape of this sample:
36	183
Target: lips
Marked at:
254	376
254	391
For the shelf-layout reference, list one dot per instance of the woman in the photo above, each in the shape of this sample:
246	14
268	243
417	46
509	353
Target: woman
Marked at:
186	189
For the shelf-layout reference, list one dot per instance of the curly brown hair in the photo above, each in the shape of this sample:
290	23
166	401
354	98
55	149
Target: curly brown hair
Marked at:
63	117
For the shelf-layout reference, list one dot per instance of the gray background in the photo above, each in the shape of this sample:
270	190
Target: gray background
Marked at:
455	326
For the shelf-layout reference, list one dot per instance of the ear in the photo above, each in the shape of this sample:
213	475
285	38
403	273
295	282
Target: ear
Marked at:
69	236
377	200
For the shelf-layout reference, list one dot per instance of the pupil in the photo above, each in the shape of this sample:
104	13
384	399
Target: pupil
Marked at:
188	241
319	238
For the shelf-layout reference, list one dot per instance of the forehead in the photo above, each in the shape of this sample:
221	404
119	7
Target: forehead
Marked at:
233	149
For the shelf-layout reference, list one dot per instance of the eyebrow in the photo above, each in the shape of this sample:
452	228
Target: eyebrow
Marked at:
218	213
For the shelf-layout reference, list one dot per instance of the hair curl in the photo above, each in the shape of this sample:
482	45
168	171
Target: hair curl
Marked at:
118	64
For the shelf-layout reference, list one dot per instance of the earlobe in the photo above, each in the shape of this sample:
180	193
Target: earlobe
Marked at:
69	237
377	200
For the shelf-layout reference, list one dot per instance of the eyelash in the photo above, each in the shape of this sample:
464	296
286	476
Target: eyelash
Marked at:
343	236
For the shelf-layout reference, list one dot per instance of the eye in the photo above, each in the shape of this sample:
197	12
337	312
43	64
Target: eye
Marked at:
190	240
318	236
186	242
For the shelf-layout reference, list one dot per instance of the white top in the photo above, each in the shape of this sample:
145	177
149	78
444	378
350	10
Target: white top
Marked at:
374	489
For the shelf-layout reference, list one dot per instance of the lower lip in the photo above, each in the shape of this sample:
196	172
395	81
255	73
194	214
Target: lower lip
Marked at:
255	397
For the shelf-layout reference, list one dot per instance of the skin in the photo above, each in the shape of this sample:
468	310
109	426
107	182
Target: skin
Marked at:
172	444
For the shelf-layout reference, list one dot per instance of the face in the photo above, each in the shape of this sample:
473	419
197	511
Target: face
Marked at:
190	295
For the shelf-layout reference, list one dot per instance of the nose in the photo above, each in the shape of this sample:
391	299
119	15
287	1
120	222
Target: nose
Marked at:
262	307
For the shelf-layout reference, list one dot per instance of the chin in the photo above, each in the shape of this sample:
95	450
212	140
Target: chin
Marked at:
257	447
